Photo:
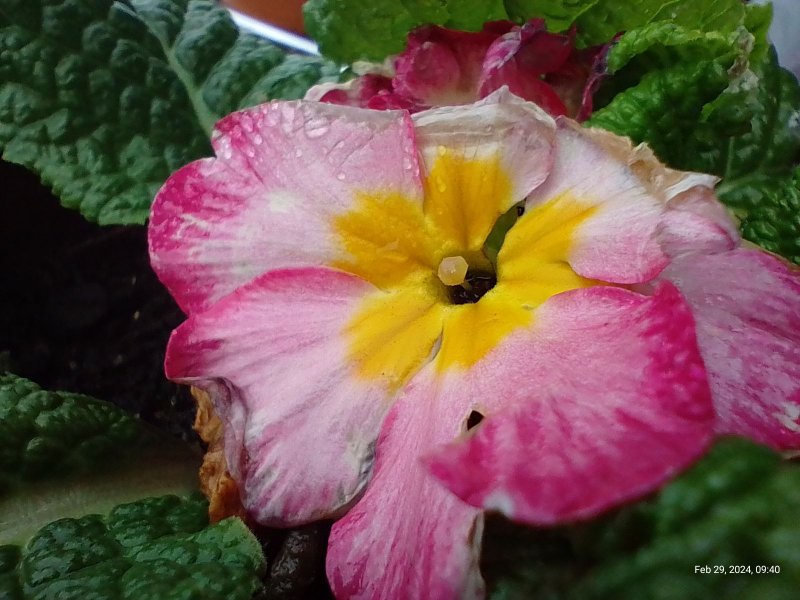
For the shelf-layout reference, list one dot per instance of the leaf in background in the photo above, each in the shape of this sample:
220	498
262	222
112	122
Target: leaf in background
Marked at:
153	549
105	99
605	19
748	133
737	506
43	434
68	454
751	130
559	15
665	108
667	44
757	19
351	30
66	459
769	210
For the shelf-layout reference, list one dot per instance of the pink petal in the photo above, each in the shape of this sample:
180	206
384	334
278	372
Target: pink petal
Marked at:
618	243
747	306
299	426
602	400
442	66
408	537
283	171
519	59
695	221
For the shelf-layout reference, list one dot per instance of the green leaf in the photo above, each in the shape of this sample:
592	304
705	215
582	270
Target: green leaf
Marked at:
105	99
69	454
46	433
667	44
757	20
604	20
754	128
351	30
559	15
769	210
88	507
665	108
736	507
158	548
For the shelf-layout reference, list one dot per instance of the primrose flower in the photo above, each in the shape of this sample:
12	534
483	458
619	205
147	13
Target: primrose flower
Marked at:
371	361
442	67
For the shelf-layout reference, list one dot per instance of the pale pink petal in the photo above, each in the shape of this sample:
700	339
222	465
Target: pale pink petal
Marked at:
695	221
442	66
283	171
502	125
299	425
408	537
747	306
618	242
600	401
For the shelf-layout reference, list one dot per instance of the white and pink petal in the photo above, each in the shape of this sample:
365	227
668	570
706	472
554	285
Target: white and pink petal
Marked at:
300	426
618	243
601	400
408	537
283	171
747	306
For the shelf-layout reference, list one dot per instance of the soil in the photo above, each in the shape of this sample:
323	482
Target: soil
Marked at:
81	310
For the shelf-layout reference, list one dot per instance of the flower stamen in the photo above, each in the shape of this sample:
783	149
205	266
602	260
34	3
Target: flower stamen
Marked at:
453	270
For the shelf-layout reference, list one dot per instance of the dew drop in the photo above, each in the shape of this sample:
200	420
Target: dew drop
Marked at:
316	128
298	153
341	177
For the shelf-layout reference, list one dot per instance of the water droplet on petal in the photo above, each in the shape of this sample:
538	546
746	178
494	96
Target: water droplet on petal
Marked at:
316	128
341	177
298	153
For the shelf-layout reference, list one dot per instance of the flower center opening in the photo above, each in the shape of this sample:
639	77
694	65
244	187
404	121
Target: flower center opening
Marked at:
464	285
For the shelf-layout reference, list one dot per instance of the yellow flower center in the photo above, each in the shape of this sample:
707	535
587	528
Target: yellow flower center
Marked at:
426	257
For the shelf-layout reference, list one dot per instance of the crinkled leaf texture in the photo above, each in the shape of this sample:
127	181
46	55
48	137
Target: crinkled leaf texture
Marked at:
769	210
605	19
69	454
66	459
153	549
737	506
747	131
105	99
349	30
